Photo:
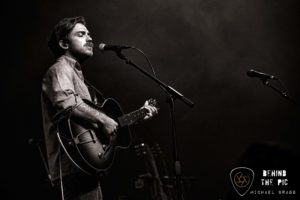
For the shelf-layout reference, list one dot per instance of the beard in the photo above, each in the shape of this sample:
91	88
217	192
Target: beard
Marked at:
82	54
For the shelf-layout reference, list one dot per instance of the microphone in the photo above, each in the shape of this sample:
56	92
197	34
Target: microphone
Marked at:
261	75
110	47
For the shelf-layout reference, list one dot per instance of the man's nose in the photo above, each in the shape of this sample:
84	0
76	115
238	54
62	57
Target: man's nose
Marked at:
89	38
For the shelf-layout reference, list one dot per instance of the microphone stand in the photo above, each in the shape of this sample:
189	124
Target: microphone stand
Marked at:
172	96
282	93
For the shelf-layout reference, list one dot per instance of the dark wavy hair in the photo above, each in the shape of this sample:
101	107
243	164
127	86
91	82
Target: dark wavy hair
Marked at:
61	31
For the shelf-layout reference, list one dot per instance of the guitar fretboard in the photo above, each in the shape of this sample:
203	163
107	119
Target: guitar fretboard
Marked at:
132	117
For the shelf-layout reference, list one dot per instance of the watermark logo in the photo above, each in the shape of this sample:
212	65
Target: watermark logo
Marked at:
241	179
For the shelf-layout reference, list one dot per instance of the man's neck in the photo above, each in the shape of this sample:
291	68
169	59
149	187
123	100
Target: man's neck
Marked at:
79	60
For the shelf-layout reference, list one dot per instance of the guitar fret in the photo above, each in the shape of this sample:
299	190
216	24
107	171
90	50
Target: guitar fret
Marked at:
130	118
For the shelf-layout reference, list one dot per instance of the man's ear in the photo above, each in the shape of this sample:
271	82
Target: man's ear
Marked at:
63	44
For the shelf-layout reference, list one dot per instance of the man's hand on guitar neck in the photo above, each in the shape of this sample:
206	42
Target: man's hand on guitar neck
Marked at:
110	126
150	106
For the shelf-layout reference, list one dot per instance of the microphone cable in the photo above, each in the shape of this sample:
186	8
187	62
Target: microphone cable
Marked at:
149	63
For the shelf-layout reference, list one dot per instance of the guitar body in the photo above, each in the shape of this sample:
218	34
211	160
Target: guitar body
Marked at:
90	149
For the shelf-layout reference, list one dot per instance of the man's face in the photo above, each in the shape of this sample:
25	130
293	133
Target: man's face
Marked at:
80	43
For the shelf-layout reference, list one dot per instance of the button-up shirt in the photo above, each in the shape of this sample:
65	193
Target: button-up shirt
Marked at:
63	87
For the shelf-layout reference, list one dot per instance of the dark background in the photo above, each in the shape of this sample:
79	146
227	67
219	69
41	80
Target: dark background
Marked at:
202	48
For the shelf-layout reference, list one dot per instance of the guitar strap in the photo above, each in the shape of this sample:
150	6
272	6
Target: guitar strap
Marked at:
92	90
96	95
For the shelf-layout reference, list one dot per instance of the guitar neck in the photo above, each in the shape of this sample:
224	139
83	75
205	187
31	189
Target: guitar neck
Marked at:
131	118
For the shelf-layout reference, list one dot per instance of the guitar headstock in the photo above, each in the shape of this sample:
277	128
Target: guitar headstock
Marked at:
156	150
143	149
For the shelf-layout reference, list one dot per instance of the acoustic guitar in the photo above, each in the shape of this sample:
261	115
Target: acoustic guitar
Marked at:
90	149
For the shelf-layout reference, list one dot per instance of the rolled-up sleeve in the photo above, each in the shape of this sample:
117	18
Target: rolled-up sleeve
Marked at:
58	86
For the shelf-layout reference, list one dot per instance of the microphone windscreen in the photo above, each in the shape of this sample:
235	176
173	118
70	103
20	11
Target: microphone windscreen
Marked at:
101	46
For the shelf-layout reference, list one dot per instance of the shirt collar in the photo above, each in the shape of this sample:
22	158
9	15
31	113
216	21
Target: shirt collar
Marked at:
71	61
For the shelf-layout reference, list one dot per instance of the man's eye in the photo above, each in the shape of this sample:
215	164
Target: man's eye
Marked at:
80	34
